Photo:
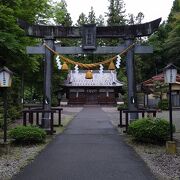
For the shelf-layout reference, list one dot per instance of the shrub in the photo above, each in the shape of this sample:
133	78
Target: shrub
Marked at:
1	116
27	134
150	130
122	106
14	112
163	104
1	120
54	101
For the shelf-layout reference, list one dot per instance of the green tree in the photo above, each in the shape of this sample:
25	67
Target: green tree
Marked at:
61	15
166	45
100	21
174	11
82	20
91	16
13	44
116	14
172	43
158	60
139	18
131	20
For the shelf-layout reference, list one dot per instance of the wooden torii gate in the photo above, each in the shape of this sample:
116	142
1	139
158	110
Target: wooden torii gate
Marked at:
89	33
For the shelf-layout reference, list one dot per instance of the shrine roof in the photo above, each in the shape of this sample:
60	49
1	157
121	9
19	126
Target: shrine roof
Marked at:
159	78
149	85
107	79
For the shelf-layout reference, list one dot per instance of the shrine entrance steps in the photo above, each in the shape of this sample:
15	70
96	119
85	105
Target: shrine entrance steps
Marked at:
89	149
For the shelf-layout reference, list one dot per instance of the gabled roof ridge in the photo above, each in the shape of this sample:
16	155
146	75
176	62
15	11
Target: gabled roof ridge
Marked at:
107	78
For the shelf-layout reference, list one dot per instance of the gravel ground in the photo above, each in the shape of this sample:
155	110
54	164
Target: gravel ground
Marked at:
16	158
164	166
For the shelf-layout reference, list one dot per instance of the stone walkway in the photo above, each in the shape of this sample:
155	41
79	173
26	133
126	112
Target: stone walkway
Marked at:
89	149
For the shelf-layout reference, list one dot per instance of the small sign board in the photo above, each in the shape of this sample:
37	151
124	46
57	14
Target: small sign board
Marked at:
89	37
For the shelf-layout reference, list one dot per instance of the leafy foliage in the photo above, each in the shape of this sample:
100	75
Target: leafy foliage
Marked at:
135	20
92	16
13	48
61	15
150	130
1	120
122	106
27	134
166	44
82	19
116	14
163	104
172	43
14	112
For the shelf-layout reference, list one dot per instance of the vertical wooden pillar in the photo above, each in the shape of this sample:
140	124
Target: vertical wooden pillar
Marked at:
47	81
132	99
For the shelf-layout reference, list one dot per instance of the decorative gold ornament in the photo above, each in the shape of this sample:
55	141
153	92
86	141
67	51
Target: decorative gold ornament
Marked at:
111	66
64	67
89	75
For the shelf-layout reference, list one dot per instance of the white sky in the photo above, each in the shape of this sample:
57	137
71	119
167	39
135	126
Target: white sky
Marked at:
152	9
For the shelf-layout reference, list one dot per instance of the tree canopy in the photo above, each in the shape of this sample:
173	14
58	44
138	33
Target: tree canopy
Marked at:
13	42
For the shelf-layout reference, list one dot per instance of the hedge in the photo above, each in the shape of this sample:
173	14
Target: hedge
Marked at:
150	130
27	134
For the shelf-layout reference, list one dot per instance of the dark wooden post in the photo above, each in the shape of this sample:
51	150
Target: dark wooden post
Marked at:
47	80
120	118
154	114
37	118
24	118
142	114
59	117
52	122
132	100
31	118
127	121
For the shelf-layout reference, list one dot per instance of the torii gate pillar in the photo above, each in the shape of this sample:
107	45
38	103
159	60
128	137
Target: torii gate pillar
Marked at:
130	68
47	79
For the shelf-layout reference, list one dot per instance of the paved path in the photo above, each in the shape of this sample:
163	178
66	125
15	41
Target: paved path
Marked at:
89	149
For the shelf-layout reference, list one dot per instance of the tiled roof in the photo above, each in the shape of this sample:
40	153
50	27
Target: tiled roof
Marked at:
149	85
108	78
160	78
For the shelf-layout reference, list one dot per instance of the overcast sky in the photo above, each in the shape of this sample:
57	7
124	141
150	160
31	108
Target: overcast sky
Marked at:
152	9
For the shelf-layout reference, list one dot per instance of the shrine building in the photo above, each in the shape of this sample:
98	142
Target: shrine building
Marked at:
102	89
